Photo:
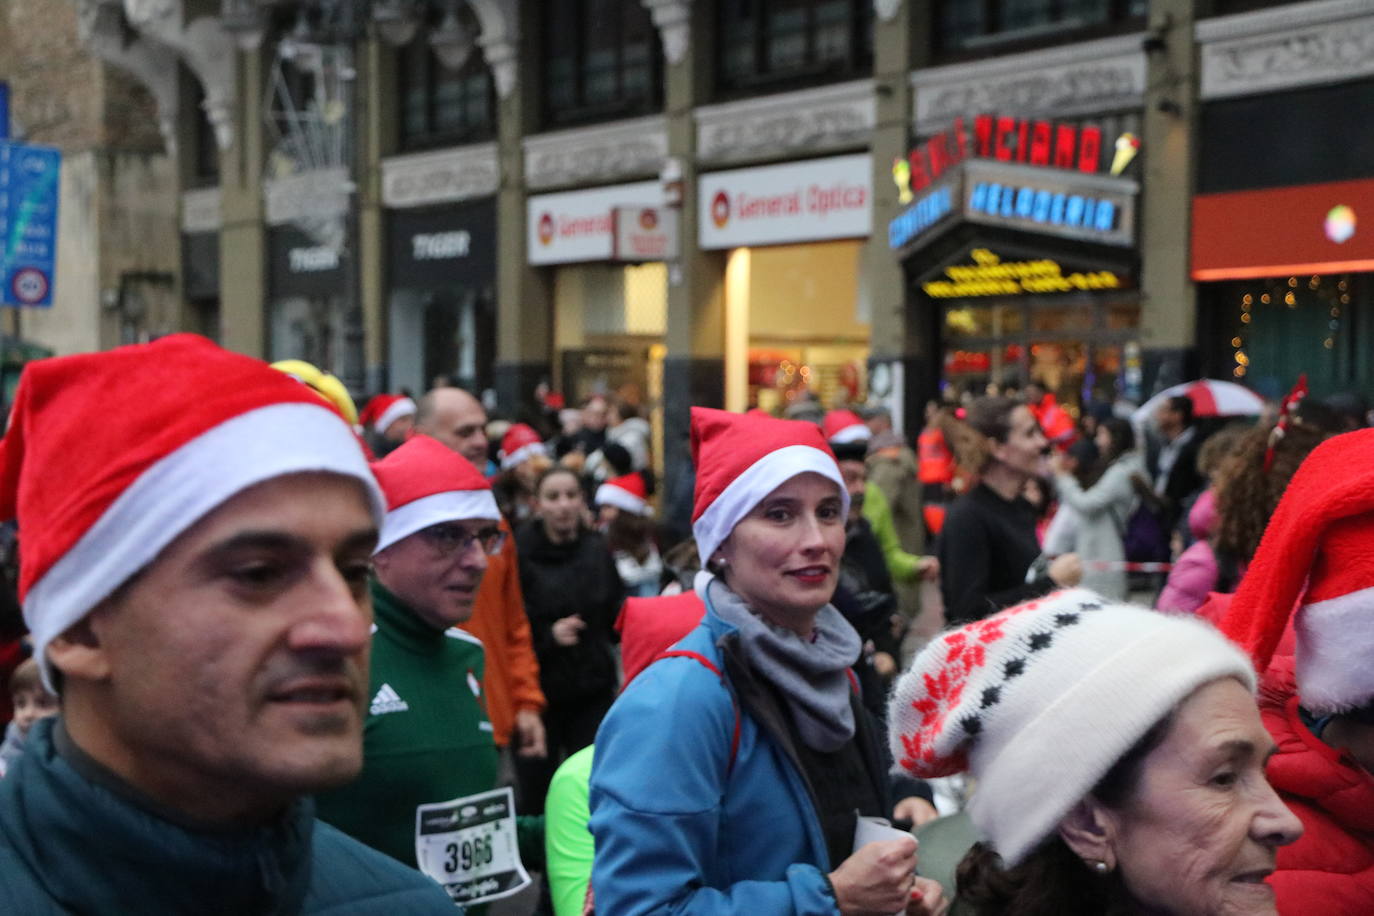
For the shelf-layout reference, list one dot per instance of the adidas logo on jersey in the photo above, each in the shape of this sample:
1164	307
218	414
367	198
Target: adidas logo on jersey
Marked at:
387	700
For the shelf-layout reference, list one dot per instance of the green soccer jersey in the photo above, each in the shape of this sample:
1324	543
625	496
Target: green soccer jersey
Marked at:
427	738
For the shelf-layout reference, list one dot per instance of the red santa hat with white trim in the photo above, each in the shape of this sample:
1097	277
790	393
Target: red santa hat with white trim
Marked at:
109	457
741	459
1316	560
519	444
845	426
427	483
627	493
385	409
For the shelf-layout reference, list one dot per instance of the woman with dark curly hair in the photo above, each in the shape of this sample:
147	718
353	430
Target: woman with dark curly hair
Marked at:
1119	759
1246	496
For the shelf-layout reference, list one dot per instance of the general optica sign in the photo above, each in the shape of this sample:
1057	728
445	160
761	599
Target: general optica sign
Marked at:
578	225
797	202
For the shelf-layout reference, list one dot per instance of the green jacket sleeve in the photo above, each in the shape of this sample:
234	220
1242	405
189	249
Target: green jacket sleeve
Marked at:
904	567
568	844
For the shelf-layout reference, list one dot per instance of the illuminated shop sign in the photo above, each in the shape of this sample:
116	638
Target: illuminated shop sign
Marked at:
1089	208
1027	202
1006	139
989	275
920	216
1065	204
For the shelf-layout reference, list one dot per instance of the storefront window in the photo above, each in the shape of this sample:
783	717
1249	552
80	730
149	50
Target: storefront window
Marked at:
970	24
1264	333
1075	349
777	42
601	61
439	105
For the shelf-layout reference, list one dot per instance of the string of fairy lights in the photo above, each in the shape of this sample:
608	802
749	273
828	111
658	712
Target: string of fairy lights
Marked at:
1332	294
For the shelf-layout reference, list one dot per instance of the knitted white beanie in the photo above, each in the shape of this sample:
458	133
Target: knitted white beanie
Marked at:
1039	701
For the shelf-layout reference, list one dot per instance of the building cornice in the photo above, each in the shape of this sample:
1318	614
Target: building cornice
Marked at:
441	176
828	119
1288	47
600	154
1089	77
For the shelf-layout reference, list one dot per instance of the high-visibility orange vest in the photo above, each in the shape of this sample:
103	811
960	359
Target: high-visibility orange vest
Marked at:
935	461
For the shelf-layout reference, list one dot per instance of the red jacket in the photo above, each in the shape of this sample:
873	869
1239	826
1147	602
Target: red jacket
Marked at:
1330	871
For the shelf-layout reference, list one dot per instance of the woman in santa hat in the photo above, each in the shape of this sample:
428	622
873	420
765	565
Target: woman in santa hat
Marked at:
730	775
1303	611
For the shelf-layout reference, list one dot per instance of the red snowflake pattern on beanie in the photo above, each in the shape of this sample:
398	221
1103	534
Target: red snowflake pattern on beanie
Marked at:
962	667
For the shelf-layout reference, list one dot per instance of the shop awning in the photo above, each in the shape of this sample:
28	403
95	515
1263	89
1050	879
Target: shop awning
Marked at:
1309	229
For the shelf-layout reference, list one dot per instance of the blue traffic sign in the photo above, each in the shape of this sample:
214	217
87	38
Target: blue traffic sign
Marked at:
4	110
28	223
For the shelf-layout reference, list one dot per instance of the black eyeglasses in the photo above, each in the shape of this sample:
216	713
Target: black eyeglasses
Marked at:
451	538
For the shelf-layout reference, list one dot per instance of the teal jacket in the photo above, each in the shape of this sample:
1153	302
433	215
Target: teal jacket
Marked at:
72	845
689	821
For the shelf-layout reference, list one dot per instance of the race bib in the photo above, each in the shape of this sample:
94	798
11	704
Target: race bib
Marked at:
469	846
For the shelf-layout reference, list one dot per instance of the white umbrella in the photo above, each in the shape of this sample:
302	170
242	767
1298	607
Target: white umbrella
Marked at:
1210	397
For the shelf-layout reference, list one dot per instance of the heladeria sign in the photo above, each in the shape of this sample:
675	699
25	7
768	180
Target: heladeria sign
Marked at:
798	202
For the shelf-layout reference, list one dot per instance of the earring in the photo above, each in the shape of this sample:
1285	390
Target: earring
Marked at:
722	562
1100	867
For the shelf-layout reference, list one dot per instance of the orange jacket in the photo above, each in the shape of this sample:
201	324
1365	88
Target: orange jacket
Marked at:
498	619
936	461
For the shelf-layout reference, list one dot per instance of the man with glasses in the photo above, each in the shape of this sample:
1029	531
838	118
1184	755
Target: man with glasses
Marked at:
427	738
511	686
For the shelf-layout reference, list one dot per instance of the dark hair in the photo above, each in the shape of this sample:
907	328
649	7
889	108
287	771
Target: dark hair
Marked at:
1123	437
1052	880
850	451
553	470
987	418
631	533
26	678
1182	404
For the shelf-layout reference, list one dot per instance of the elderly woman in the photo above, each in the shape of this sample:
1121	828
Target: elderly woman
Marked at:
728	775
1119	760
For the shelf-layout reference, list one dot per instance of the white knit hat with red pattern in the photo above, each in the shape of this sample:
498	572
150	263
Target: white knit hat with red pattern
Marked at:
1039	701
1314	569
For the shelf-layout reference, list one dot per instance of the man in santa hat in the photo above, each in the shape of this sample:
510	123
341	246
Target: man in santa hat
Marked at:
387	420
197	531
427	739
511	685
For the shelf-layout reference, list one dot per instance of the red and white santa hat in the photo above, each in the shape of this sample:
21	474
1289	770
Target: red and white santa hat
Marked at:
385	409
427	483
1039	702
741	459
109	457
627	493
519	444
1317	560
845	426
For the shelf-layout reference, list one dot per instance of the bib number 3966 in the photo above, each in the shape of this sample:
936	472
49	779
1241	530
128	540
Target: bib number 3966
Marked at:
467	855
469	846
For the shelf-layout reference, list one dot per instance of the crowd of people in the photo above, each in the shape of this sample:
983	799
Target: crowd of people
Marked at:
268	653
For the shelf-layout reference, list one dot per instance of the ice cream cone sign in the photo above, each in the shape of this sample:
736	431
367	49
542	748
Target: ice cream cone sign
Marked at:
1127	145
